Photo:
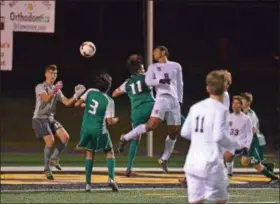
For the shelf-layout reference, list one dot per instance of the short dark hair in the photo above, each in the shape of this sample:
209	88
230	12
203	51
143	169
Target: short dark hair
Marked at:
52	67
216	82
163	49
238	98
103	82
134	63
247	96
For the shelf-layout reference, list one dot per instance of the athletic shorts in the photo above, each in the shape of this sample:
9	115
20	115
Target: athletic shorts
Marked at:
167	108
44	127
142	114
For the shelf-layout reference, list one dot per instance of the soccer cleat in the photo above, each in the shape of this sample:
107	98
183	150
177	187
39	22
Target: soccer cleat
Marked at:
183	181
128	173
113	185
88	188
122	144
55	163
49	174
274	181
163	165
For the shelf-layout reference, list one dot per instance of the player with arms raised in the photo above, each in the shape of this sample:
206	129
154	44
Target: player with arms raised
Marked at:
99	110
206	127
43	122
166	77
240	128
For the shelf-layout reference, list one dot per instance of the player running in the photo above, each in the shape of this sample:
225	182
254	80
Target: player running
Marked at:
206	127
240	129
166	77
99	111
43	122
256	154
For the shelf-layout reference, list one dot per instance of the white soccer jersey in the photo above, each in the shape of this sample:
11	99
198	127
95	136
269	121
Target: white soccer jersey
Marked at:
226	101
240	128
206	126
171	70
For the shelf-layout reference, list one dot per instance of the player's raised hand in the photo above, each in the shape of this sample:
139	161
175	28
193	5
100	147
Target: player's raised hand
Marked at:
79	90
57	87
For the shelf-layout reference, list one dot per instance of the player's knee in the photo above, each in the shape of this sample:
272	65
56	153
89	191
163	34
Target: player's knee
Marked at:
152	124
109	154
49	141
89	155
173	131
228	157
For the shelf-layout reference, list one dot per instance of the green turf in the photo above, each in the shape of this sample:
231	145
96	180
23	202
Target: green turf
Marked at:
134	196
36	159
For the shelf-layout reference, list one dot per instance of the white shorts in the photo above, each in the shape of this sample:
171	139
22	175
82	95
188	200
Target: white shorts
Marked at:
212	188
167	108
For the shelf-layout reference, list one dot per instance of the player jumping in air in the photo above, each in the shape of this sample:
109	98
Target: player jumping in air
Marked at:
256	154
43	122
206	127
166	77
240	129
99	111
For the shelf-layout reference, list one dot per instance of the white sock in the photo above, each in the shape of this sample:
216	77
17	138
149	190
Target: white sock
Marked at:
168	148
229	167
140	129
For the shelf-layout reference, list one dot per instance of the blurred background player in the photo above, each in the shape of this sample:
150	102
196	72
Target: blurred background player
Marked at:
99	107
256	152
240	129
166	77
141	100
206	127
43	122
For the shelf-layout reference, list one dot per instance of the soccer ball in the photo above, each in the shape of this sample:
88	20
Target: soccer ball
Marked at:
87	49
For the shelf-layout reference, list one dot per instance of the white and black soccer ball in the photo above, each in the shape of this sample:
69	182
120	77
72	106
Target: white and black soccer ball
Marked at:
87	49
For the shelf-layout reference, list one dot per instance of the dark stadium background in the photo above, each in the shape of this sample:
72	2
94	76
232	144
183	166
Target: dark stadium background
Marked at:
240	37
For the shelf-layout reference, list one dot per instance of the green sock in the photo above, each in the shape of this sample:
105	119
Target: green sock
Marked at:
132	153
268	173
89	165
111	168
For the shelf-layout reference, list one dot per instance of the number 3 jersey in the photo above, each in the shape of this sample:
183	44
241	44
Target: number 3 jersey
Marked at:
99	106
240	128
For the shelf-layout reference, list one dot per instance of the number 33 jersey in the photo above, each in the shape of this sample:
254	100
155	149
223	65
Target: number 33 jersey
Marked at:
99	106
240	128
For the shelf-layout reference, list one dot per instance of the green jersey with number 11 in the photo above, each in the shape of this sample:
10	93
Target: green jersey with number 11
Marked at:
99	106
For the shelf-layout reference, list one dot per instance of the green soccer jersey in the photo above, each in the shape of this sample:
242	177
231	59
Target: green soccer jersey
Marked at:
137	90
99	106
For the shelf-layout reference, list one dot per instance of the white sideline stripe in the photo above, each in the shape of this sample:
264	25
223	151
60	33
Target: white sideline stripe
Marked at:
122	189
82	169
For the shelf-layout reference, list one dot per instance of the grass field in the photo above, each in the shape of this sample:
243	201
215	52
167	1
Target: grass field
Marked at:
36	159
135	196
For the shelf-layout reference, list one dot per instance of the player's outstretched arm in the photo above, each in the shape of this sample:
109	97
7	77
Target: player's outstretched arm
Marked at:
150	79
80	103
249	133
79	90
187	127
112	121
47	97
119	91
180	83
110	113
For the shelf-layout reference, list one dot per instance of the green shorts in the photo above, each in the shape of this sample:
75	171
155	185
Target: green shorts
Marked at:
142	114
95	141
256	151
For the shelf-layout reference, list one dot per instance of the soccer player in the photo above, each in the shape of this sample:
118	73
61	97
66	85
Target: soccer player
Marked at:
256	154
206	127
43	122
226	100
141	99
99	110
240	128
166	77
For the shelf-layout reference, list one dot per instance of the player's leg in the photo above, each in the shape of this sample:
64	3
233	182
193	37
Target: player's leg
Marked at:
88	168
133	148
228	158
61	144
43	131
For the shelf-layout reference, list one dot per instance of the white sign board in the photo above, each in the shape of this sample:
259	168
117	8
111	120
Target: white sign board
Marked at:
32	16
6	39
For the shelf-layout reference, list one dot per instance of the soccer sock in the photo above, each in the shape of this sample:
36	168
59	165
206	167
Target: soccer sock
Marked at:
88	165
111	168
268	173
139	130
58	149
47	154
132	153
229	166
168	148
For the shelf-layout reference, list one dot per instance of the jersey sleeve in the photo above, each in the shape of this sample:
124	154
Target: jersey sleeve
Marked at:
249	133
122	87
150	78
84	96
110	111
39	89
187	127
255	122
180	84
220	131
